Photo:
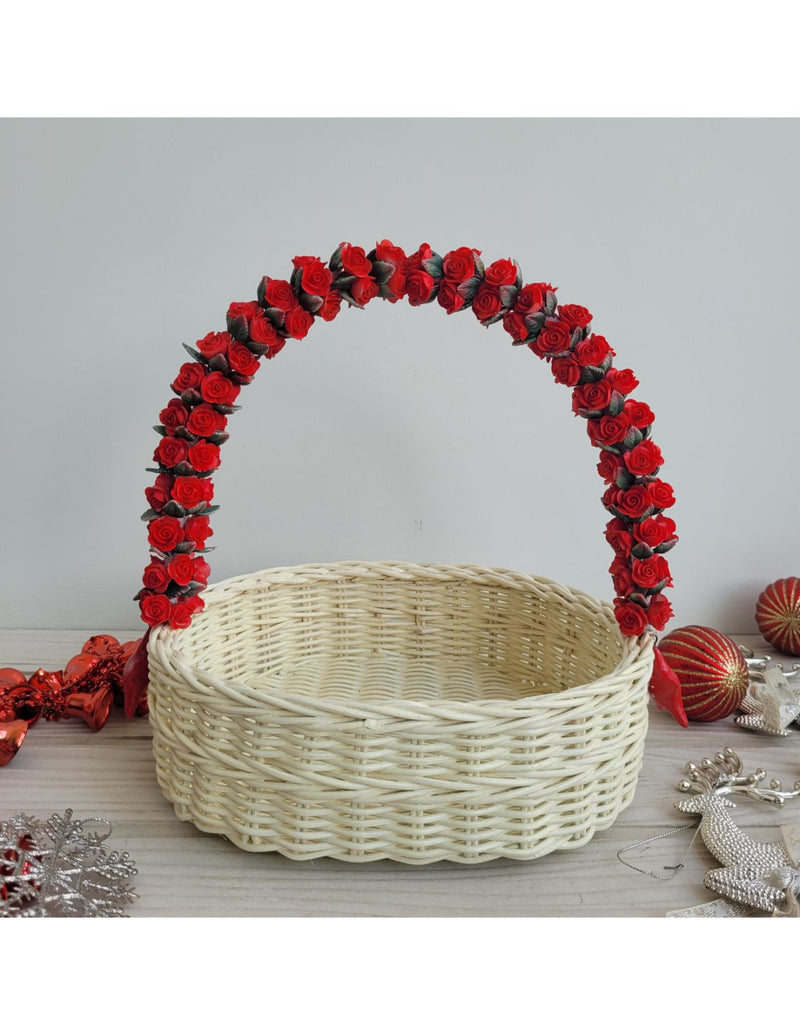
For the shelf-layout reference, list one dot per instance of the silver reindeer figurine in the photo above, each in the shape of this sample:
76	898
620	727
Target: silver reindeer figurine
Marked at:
761	875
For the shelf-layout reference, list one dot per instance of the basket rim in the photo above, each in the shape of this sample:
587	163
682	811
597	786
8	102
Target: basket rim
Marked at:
636	657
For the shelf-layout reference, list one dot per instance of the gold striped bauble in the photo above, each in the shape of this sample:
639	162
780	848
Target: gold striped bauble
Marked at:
711	669
778	615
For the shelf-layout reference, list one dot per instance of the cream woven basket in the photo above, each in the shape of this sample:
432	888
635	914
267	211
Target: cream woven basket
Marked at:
395	711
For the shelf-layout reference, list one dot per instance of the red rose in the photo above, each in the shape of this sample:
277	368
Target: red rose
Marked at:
191	492
243	310
607	467
158	494
217	388
214	343
501	272
530	299
205	421
486	303
631	618
618	537
661	494
515	324
181	569
622	381
633	502
594	395
650	571
279	294
459	265
298	322
180	616
174	415
385	251
164	533
355	261
593	351
263	332
189	376
316	278
449	298
659	611
363	290
639	414
197	529
155	608
644	458
419	287
609	497
171	451
242	360
553	338
201	570
204	456
623	582
330	307
654	531
414	261
575	315
155	577
608	430
566	371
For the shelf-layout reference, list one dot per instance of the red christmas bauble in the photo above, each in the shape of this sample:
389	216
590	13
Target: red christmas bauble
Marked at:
778	615
711	669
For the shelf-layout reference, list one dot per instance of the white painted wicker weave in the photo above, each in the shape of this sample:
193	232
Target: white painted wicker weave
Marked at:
409	712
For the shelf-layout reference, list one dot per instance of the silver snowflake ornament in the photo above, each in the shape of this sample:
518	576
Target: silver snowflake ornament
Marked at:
62	868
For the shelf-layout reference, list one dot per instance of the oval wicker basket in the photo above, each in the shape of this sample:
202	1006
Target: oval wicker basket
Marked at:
398	711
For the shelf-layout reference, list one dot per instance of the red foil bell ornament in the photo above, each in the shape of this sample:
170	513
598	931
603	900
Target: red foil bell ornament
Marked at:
778	615
710	668
12	734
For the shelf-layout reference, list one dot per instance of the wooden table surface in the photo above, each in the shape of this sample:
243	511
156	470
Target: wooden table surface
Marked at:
185	873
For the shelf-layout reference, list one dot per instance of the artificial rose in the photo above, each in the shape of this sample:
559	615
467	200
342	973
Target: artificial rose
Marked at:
618	537
204	456
181	569
201	569
654	531
607	467
158	494
218	389
247	310
316	278
621	577
639	414
575	315
298	322
171	451
594	395
180	616
419	287
449	298
192	492
189	376
661	494
593	351
501	272
263	331
622	381
174	415
395	287
644	458
355	261
156	577
608	430
633	502
530	299
415	260
659	611
486	302
553	338
514	324
459	265
566	371
330	307
205	421
164	533
631	618
155	608
242	360
214	343
363	290
650	571
197	529
279	295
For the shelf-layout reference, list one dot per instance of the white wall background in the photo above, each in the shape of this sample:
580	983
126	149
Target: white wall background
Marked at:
396	433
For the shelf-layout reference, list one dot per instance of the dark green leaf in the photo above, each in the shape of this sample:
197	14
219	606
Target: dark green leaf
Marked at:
275	316
534	322
198	357
508	295
550	302
173	509
160	429
433	265
469	288
219	363
382	271
335	262
149	515
311	303
642	551
616	403
187	546
237	327
261	291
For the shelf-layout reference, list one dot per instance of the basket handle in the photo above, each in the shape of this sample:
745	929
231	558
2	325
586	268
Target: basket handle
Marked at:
193	425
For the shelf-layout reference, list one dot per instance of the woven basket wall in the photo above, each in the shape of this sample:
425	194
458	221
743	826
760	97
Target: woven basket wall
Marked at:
408	712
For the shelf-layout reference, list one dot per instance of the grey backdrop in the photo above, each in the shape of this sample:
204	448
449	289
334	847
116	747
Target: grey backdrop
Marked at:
396	433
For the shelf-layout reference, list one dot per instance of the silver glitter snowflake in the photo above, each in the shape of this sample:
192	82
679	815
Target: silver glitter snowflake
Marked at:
61	868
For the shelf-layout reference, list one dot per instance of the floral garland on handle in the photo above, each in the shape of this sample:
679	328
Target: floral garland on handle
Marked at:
193	425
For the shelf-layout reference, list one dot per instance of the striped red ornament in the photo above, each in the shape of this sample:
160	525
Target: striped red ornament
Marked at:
711	669
778	615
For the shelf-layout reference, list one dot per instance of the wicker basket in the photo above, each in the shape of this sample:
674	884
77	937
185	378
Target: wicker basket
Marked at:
398	711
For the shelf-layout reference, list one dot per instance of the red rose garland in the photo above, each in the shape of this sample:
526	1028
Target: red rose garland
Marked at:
193	425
